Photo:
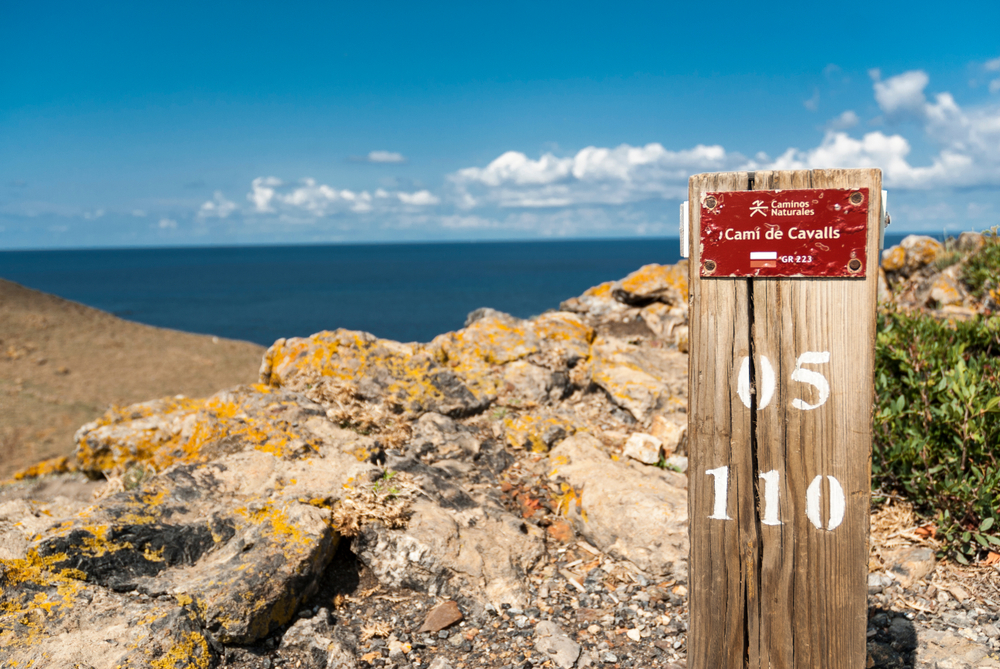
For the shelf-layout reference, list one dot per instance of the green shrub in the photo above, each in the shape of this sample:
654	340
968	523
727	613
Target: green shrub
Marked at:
937	424
981	272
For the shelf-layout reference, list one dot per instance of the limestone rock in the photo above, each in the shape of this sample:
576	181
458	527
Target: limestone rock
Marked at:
884	291
180	430
563	337
920	250
944	289
532	384
663	320
454	546
537	431
671	433
662	283
598	302
638	379
909	565
439	434
629	511
555	644
682	338
893	259
405	376
643	447
970	242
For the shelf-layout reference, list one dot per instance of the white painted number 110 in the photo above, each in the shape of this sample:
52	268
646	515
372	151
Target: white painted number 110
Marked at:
769	504
769	500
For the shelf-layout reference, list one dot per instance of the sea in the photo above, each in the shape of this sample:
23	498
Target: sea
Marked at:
406	292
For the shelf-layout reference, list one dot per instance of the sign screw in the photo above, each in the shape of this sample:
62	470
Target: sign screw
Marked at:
856	198
709	265
855	264
711	202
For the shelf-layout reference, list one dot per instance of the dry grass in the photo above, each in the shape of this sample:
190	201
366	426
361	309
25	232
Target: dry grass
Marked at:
345	406
386	500
895	525
374	629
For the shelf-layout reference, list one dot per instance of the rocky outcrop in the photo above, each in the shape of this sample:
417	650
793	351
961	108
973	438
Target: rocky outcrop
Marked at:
922	273
509	493
220	518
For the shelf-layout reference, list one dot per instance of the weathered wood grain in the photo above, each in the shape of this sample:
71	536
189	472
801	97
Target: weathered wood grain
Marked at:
718	435
802	590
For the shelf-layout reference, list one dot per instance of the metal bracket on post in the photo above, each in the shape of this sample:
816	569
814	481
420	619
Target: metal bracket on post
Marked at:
883	223
685	228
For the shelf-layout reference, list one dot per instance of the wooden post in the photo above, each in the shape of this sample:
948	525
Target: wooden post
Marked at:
781	389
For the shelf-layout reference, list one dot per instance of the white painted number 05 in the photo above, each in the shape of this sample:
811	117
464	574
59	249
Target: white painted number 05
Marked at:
768	383
772	480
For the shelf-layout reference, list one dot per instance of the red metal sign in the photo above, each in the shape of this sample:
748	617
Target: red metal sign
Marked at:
778	233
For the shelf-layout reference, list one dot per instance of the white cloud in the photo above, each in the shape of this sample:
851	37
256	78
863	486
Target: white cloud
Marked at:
167	224
845	121
901	94
995	86
617	190
217	207
93	215
385	157
966	144
262	192
421	198
271	195
595	175
812	104
992	65
139	213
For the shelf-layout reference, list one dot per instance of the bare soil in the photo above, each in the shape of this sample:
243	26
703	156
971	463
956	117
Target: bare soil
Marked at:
63	364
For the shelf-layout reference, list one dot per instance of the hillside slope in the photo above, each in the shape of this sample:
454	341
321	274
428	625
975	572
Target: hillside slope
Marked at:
63	363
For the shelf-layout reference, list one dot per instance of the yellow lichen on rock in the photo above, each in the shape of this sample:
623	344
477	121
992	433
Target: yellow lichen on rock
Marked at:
166	431
600	290
26	611
921	250
562	330
133	434
406	376
190	652
945	291
537	432
663	283
473	353
59	465
894	259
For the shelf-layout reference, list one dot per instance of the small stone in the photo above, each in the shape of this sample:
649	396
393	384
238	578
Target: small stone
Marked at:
633	634
439	662
678	462
959	593
609	658
970	242
552	641
643	447
441	616
912	564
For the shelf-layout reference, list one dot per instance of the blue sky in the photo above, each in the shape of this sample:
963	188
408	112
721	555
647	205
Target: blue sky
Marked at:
137	124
